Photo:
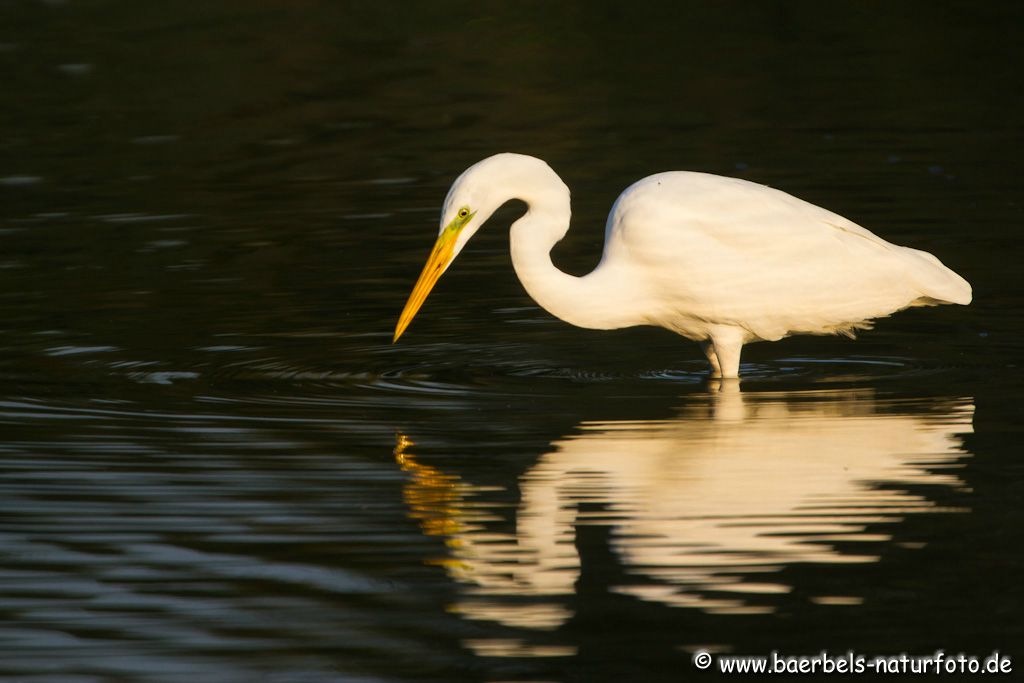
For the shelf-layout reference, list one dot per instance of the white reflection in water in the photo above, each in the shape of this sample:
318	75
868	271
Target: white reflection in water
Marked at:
704	509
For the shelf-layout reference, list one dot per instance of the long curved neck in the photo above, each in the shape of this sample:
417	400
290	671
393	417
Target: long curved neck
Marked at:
596	300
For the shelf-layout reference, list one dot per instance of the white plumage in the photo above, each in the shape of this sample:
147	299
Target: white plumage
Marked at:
721	261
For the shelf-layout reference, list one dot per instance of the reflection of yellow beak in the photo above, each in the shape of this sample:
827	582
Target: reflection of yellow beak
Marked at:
440	257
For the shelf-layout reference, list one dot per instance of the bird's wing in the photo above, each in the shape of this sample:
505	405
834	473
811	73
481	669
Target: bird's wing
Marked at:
736	212
736	252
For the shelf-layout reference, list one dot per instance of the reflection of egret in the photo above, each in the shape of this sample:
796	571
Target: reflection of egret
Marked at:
718	260
706	509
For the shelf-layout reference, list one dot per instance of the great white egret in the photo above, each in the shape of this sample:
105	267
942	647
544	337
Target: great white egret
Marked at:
721	261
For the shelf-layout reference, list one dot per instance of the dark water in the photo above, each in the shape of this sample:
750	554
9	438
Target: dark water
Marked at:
216	467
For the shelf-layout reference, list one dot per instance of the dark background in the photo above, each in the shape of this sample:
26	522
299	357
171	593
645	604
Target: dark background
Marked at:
211	215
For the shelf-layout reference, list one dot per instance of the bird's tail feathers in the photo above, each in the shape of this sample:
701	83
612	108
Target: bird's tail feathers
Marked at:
937	283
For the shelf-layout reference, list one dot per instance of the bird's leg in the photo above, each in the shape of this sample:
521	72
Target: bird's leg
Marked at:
709	350
727	342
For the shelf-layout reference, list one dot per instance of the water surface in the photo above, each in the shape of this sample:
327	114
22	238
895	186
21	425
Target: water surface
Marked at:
215	464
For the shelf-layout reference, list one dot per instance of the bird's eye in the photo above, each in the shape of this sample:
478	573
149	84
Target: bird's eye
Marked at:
463	212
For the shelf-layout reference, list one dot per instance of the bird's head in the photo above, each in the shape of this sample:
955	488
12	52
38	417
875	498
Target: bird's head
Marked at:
473	197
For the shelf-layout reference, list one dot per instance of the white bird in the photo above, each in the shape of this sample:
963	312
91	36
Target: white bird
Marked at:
721	261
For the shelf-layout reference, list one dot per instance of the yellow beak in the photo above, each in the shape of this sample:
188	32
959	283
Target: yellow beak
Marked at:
440	258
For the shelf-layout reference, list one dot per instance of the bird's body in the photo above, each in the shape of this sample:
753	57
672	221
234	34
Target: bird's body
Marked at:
721	261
